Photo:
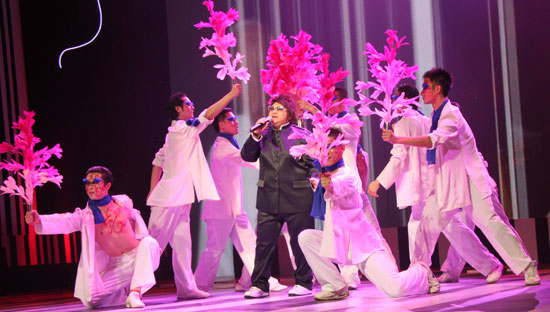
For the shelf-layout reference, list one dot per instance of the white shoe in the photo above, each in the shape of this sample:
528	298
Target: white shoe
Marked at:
531	275
332	295
274	285
197	294
495	274
447	278
133	300
352	285
433	283
255	292
298	290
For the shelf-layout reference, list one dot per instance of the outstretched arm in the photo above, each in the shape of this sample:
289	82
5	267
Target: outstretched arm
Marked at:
420	141
217	107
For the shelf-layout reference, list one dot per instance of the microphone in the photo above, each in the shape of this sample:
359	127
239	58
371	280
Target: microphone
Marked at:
259	125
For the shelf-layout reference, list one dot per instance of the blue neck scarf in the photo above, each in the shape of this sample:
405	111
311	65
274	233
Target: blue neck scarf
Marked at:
94	203
342	114
430	155
193	122
230	138
319	205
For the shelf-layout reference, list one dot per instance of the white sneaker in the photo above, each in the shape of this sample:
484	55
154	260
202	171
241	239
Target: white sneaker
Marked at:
274	285
447	278
133	300
255	292
197	294
433	283
298	290
495	274
332	295
531	275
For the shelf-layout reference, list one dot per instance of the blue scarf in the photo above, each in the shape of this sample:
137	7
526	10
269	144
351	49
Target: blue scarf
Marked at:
94	203
342	114
319	205
193	122
430	155
230	138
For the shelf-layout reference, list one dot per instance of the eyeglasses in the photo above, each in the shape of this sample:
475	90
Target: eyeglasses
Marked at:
232	118
188	102
425	86
279	108
94	181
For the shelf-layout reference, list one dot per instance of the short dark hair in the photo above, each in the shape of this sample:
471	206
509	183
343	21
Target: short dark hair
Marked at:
220	117
341	93
410	92
106	174
334	132
440	77
289	105
173	101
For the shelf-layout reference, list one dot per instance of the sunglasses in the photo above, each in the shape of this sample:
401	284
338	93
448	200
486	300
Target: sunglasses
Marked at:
94	181
232	118
425	86
188	102
279	108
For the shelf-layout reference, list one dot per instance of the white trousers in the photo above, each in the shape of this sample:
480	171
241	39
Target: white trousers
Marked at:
378	268
350	272
454	263
489	216
171	225
131	270
243	237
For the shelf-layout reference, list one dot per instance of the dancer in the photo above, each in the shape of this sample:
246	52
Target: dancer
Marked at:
225	217
117	256
179	172
348	238
284	195
460	179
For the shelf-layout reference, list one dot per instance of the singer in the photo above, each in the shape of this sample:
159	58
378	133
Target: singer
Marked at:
284	194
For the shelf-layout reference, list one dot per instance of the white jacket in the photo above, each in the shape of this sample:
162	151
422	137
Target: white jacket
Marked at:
93	260
184	167
226	163
407	167
347	236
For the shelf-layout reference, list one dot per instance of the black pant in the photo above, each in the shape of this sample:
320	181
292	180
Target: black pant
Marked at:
268	231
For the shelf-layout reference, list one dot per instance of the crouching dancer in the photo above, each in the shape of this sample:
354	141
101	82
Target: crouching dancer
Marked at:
348	238
118	256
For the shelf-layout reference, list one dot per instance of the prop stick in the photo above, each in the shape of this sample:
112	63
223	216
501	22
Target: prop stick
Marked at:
35	169
387	76
221	42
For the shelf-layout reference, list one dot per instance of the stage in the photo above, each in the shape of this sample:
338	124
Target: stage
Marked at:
470	294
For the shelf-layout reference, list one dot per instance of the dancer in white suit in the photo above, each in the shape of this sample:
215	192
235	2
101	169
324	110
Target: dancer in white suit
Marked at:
460	179
118	257
348	238
226	218
179	172
408	169
352	135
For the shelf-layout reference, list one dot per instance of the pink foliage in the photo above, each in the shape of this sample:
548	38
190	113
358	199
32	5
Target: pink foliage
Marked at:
221	42
292	70
34	170
387	77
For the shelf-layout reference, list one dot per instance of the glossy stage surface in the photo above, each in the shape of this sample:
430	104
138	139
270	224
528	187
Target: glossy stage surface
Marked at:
470	294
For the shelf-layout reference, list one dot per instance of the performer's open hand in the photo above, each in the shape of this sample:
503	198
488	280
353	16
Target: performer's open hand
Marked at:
32	217
387	135
326	181
236	89
373	188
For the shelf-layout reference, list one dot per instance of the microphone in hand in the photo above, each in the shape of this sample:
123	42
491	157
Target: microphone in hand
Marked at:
261	124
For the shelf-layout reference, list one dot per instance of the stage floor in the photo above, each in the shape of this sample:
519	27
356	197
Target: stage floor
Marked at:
470	294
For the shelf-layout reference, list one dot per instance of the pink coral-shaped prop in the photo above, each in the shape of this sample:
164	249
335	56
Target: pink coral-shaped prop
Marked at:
221	42
34	170
387	78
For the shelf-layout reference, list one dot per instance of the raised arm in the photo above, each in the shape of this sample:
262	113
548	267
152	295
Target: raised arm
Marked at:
420	141
217	107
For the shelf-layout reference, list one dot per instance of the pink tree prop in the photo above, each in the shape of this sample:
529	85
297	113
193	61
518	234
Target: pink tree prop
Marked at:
291	70
317	142
388	77
35	170
221	42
